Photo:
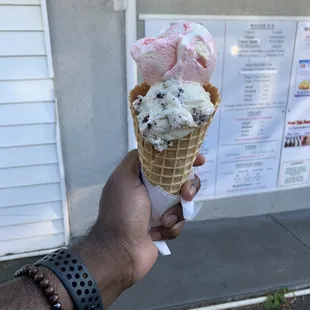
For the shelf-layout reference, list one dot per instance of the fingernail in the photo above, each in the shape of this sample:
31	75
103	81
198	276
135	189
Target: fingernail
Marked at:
171	219
192	191
156	236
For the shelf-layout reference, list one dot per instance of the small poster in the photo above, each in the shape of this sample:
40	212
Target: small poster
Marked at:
297	134
302	88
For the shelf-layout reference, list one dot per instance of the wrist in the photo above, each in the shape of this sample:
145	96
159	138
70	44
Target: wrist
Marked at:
46	289
64	296
107	261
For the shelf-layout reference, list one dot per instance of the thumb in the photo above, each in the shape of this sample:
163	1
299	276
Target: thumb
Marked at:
190	189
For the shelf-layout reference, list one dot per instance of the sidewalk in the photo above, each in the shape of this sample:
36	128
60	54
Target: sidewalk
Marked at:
222	260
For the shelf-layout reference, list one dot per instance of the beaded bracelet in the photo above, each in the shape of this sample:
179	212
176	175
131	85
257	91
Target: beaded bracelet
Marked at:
39	278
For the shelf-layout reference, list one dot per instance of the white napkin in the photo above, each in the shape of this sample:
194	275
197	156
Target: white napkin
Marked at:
161	201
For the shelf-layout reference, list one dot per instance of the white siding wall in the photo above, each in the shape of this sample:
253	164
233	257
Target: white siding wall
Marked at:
31	207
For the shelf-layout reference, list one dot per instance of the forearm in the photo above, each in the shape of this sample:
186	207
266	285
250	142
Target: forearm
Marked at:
23	293
99	256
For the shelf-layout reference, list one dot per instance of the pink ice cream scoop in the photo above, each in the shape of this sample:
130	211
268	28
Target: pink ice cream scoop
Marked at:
186	51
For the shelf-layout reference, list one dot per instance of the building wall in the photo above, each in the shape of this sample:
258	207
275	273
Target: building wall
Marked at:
226	7
89	58
31	183
88	48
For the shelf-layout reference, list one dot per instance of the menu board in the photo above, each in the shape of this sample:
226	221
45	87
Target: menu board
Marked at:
259	139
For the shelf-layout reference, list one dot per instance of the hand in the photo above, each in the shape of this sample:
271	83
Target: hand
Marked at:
122	227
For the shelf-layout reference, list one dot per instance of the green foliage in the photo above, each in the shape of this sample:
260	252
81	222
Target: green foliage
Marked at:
277	300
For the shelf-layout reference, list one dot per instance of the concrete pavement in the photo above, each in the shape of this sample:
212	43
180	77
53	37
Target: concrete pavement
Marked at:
223	260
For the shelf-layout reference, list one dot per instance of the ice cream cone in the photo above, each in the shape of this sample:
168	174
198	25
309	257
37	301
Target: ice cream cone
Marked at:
169	169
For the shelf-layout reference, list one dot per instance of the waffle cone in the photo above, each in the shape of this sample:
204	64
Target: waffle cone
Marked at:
169	169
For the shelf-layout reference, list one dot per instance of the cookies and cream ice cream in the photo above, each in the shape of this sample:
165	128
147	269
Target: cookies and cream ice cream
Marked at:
171	110
176	65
